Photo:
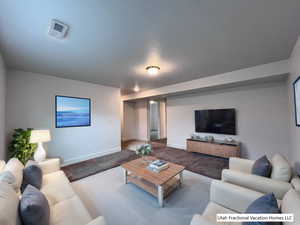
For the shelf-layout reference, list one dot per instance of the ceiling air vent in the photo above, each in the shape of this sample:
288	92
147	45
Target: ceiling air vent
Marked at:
58	29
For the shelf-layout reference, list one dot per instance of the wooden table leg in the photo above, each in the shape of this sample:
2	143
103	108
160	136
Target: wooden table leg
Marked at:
125	176
181	178
160	195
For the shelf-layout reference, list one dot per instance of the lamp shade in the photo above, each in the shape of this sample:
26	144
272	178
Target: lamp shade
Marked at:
38	136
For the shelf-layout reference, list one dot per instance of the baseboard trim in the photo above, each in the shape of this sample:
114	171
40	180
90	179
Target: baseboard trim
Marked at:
174	145
90	156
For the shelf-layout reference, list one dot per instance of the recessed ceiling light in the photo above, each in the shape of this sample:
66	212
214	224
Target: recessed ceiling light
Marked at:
152	70
136	88
152	102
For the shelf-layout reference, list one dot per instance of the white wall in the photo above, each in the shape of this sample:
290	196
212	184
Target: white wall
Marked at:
31	103
263	124
129	121
2	109
295	131
163	119
142	120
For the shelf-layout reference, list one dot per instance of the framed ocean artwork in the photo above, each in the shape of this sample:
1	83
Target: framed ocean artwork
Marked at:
72	111
297	101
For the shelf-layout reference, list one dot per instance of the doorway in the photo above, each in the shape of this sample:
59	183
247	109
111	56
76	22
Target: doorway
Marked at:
157	125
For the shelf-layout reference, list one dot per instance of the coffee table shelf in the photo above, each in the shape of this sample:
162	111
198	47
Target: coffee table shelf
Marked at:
151	188
159	184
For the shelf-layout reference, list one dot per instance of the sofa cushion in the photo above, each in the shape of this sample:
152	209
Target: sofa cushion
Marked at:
281	169
262	167
32	175
57	187
290	204
264	204
69	212
9	202
16	168
9	178
34	207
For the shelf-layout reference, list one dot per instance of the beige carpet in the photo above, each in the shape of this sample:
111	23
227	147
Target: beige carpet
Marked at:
106	194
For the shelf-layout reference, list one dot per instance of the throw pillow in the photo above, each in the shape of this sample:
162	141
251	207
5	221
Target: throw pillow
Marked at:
281	169
16	168
32	175
2	165
9	202
265	204
9	178
262	167
34	207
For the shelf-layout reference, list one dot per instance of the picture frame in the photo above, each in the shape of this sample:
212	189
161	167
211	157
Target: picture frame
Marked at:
296	86
72	111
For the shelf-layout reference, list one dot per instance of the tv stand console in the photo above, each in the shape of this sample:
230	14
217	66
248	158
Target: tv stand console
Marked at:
225	150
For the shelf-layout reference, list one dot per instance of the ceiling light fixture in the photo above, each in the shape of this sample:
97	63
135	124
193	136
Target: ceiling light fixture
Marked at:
136	88
152	70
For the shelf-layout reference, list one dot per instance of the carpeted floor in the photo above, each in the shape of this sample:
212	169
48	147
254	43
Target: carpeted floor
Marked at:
90	167
125	204
206	165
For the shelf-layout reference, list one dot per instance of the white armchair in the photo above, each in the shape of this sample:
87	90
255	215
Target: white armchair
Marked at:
239	173
230	198
225	198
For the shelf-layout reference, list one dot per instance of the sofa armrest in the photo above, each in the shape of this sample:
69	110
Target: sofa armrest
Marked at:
238	164
98	221
201	220
232	196
50	166
256	183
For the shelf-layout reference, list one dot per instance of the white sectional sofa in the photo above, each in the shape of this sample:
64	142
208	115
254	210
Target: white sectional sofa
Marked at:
239	173
230	198
66	208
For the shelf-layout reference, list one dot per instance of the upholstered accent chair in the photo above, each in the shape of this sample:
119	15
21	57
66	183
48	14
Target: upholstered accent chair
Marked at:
230	198
239	173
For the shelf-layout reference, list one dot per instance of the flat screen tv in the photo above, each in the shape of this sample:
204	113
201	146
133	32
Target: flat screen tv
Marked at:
218	121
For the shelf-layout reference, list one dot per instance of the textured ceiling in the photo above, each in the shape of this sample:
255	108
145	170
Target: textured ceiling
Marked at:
111	42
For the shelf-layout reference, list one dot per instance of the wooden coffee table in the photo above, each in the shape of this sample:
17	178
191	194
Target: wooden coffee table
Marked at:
158	184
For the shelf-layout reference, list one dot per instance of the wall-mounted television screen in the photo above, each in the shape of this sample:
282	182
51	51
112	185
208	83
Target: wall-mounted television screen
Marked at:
218	121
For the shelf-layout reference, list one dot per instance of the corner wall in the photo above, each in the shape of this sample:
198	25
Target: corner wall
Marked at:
2	109
295	131
31	103
135	120
129	122
262	121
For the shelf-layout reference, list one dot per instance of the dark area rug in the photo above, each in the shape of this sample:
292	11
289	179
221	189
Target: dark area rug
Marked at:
206	165
90	167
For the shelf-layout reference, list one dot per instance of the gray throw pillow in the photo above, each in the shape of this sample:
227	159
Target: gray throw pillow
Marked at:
265	204
32	175
34	208
262	167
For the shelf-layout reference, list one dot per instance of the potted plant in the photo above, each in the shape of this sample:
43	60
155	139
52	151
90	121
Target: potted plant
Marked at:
20	147
144	151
